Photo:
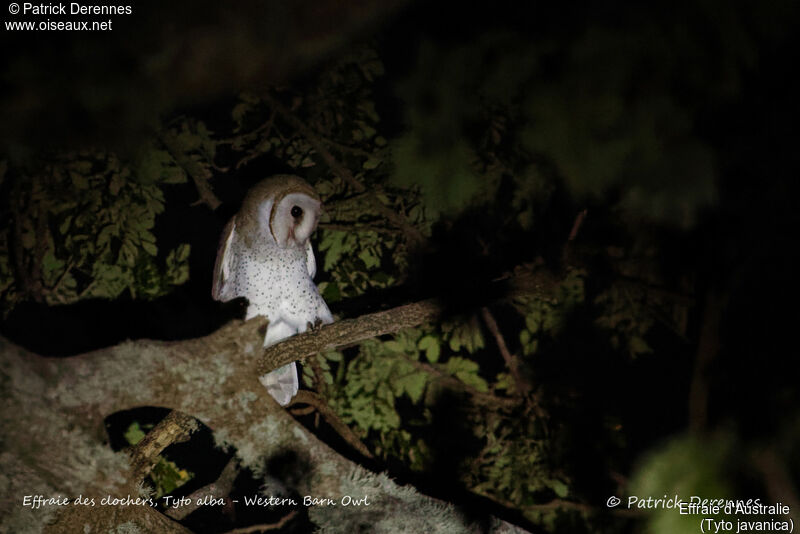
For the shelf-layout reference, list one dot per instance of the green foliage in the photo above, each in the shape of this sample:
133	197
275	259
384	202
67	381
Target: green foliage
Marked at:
434	151
514	464
413	367
83	228
134	434
601	131
376	377
466	371
626	317
545	317
155	165
610	110
630	307
686	466
339	111
166	476
430	345
354	261
466	335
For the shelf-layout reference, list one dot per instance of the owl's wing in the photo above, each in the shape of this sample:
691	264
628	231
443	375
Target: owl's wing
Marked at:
311	262
220	287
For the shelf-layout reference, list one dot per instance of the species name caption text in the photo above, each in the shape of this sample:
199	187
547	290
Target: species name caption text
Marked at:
70	9
756	516
36	502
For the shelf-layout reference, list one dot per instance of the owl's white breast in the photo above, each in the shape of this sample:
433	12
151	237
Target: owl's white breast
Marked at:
277	284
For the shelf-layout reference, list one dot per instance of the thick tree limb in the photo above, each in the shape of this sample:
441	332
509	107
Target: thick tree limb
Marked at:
52	410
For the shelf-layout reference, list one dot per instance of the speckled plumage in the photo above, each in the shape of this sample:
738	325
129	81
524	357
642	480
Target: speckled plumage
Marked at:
265	255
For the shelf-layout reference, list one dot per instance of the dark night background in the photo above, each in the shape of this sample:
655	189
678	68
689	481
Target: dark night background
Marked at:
490	129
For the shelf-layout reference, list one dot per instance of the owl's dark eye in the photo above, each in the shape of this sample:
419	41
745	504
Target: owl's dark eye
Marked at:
297	212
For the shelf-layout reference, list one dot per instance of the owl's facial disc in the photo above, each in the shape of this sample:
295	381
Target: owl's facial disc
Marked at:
295	219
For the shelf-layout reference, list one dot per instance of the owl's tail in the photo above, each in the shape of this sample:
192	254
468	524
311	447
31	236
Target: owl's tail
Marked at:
282	383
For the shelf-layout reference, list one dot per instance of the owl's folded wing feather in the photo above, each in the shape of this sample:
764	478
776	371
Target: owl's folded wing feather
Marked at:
311	262
221	286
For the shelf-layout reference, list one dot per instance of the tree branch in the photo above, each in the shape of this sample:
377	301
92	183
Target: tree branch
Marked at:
707	349
511	362
196	172
349	331
307	397
453	382
576	226
258	529
176	427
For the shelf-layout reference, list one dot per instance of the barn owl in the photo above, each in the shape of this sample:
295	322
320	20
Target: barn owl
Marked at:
265	255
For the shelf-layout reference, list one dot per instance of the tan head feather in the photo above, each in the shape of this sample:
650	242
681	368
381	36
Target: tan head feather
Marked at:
277	187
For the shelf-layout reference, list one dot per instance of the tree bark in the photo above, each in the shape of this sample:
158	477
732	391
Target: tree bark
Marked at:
52	415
